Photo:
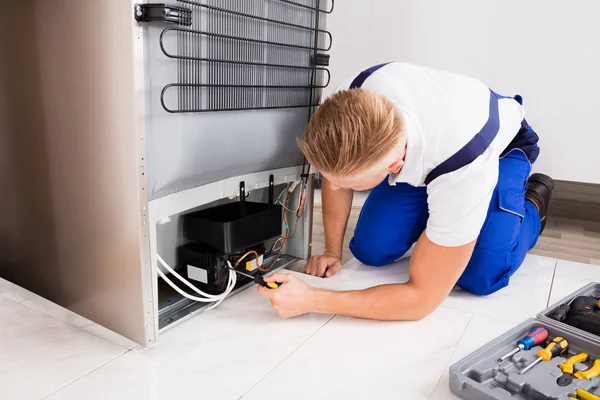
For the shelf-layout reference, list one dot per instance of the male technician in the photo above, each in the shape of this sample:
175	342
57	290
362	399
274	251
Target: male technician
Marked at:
448	161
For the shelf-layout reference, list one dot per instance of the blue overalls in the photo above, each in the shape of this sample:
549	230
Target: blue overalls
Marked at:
394	217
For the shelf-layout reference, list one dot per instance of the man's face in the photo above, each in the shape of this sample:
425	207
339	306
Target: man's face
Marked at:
372	176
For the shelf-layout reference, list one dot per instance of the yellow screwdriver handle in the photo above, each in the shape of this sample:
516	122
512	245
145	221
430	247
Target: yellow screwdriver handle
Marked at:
555	348
567	366
586	395
590	373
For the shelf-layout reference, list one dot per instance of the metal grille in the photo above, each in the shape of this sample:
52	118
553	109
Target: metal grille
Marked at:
247	54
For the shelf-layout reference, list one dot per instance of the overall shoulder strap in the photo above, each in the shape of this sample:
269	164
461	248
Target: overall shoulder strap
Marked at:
474	148
362	77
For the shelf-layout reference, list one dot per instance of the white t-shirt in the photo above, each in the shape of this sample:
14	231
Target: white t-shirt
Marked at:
442	112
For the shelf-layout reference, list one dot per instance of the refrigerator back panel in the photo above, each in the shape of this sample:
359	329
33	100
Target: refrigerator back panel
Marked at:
229	94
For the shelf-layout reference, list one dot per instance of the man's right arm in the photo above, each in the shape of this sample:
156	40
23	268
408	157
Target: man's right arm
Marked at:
337	203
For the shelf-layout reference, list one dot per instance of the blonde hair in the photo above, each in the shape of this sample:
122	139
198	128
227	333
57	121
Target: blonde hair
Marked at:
351	131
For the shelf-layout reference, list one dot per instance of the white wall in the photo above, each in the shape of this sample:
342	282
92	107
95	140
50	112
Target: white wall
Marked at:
546	50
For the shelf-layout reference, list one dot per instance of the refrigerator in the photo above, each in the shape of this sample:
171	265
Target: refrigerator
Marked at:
118	118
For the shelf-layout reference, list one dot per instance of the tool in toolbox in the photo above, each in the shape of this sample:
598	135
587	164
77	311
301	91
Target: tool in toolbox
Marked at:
589	374
556	347
582	312
568	368
535	337
561	312
584	395
258	279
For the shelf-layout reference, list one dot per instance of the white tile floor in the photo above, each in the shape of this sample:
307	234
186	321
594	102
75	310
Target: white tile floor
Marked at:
243	350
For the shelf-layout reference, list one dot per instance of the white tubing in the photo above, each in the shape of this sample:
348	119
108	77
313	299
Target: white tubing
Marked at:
208	298
185	281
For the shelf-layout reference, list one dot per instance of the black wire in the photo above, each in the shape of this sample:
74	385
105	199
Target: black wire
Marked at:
305	162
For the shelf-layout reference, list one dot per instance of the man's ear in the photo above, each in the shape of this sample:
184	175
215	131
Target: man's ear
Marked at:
396	166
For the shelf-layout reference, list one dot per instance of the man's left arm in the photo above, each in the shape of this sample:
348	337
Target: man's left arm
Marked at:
433	271
458	205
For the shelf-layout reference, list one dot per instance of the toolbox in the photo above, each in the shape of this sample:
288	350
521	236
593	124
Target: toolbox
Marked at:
479	376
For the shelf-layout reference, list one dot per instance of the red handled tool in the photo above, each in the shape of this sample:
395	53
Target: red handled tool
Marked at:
533	338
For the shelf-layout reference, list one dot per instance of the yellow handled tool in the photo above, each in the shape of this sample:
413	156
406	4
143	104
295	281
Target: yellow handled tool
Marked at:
585	395
259	280
557	346
590	373
568	368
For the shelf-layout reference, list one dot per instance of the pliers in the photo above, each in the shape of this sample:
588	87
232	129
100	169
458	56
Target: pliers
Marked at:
568	370
584	395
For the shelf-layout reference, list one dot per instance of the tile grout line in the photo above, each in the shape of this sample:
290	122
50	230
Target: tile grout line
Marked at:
288	356
188	374
10	306
81	328
481	315
452	355
86	374
125	349
552	283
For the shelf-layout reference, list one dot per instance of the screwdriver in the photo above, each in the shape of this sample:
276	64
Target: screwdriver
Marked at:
556	347
259	280
533	338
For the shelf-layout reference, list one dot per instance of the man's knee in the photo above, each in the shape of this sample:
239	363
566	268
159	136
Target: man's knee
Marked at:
480	286
374	253
487	272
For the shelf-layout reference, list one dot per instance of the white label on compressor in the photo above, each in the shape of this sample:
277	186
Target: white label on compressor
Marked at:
197	274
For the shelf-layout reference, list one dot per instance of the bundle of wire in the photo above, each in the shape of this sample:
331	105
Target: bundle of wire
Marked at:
286	237
207	298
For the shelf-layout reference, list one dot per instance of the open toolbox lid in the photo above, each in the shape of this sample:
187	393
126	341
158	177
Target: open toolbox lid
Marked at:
479	377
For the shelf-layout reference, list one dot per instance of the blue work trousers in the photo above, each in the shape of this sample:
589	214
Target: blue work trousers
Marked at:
394	217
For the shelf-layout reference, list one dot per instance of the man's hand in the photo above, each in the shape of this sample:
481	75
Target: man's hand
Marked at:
324	266
293	297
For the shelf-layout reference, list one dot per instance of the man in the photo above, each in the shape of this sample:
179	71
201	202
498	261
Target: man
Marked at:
448	161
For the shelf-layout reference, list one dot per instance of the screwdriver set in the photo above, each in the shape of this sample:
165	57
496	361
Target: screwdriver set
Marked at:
555	356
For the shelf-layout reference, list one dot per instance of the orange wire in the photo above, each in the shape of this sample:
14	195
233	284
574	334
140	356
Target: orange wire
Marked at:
287	231
274	243
246	255
285	238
